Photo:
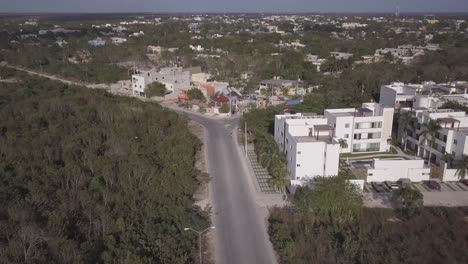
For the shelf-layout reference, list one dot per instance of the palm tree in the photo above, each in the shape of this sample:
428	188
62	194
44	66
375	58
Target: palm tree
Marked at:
406	119
430	129
462	168
343	144
448	158
279	175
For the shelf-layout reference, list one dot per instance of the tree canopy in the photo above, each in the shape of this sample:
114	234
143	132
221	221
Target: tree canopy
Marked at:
333	197
155	89
88	177
196	94
407	200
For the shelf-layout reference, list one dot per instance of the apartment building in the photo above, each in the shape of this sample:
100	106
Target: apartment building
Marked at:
426	94
451	139
310	146
365	129
174	78
311	142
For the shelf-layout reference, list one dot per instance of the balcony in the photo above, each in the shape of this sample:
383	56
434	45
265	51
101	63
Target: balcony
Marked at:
366	150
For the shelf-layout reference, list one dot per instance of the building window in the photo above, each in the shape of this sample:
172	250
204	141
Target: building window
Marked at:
346	125
454	154
370	174
455	142
299	152
346	135
298	165
357	136
377	125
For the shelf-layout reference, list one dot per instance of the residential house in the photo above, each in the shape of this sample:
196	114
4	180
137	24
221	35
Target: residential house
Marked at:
341	55
174	79
97	42
117	40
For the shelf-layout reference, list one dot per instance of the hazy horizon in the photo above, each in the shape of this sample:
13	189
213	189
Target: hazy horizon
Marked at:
240	6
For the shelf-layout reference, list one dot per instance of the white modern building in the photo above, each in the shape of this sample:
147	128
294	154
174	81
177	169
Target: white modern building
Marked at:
365	129
451	139
174	78
426	94
380	170
310	146
311	142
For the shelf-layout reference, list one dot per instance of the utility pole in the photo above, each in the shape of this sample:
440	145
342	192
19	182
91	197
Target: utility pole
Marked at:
245	138
230	102
200	233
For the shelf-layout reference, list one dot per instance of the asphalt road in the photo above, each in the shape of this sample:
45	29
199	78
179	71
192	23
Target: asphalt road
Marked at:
240	235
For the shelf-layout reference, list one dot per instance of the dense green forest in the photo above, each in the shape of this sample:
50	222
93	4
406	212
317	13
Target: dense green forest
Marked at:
434	235
88	177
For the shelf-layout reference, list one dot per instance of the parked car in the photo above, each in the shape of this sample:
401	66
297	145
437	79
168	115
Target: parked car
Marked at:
433	185
464	181
378	187
392	185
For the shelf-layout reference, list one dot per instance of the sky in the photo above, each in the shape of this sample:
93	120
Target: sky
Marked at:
329	6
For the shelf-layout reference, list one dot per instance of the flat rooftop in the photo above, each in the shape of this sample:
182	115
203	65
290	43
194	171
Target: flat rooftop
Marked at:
326	139
343	114
463	130
457	98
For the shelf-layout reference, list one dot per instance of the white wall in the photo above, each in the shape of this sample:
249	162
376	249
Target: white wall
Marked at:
393	170
315	158
138	83
387	96
448	174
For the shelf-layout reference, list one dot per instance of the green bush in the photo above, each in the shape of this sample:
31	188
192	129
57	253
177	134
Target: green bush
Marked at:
155	89
196	94
224	108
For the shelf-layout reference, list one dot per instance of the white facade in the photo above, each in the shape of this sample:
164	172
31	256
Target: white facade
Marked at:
310	152
451	139
426	94
309	145
202	77
365	129
309	157
381	170
310	142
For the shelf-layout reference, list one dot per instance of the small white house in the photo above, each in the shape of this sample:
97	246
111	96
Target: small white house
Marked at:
117	40
380	170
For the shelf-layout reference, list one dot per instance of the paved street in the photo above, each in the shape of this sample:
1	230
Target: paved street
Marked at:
240	234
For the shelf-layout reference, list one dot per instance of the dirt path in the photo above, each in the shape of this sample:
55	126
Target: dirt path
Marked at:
201	195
